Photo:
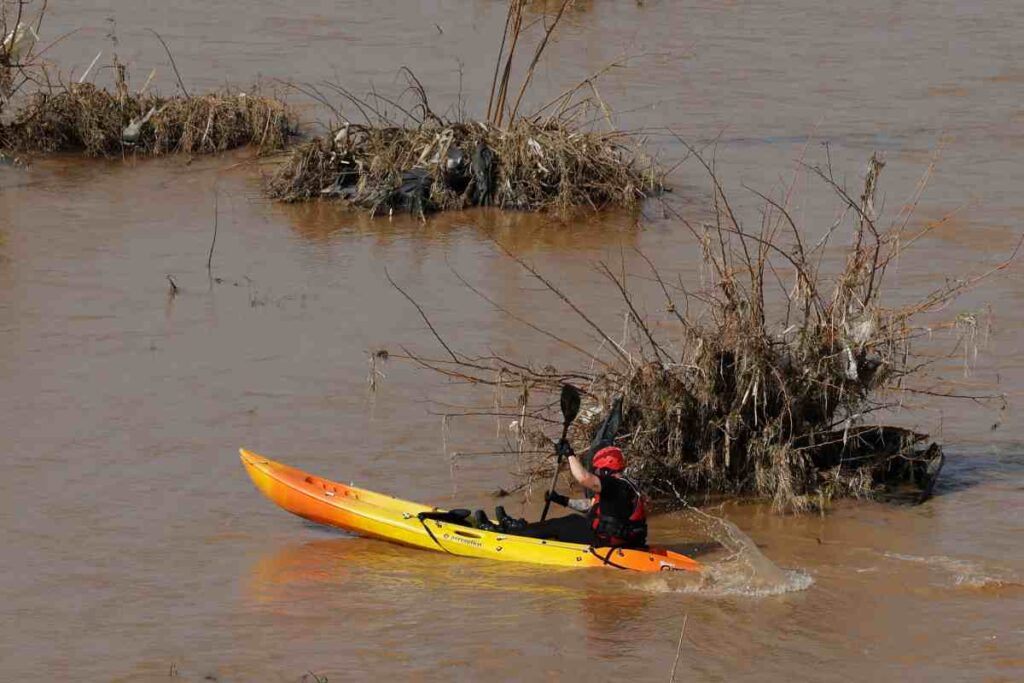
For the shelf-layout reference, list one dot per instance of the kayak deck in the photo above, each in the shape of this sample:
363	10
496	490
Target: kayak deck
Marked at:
384	517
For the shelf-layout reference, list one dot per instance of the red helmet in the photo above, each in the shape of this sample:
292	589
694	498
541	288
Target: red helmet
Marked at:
609	458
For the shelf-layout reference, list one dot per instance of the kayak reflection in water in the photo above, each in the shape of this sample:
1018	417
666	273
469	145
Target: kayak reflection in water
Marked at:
614	517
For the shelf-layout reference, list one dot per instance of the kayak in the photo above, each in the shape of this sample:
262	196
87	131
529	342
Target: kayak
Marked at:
384	517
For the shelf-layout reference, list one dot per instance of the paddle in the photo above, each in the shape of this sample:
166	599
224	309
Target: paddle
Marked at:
570	408
605	436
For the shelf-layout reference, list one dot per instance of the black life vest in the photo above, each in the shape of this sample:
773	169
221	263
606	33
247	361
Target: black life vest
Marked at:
617	532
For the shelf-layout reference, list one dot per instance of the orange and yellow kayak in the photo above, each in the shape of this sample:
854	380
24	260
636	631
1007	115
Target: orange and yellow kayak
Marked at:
380	516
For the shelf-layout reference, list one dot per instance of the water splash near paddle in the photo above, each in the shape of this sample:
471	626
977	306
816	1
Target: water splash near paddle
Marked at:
742	569
746	570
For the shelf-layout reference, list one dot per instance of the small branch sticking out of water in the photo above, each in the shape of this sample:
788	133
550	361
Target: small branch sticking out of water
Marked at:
679	647
173	65
216	213
89	69
422	315
381	355
174	287
536	58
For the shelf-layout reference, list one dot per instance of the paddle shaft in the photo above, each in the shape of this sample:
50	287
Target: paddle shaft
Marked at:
554	479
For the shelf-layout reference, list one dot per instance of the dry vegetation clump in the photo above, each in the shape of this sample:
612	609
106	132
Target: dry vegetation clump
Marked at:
761	382
553	160
444	165
45	114
84	118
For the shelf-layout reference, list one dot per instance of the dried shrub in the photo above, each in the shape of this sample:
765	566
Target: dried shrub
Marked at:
84	118
18	38
774	369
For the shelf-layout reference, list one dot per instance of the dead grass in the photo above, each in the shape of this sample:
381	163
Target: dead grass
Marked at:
441	165
84	118
44	111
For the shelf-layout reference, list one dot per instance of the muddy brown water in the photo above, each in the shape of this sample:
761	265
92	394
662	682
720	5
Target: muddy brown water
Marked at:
133	544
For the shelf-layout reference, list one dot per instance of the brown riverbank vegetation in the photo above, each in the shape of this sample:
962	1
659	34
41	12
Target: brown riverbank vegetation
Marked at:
442	165
81	117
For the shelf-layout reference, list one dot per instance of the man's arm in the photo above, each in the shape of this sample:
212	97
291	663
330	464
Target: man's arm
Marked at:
580	474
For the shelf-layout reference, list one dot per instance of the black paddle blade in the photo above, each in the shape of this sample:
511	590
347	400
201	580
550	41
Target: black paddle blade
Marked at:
570	403
605	436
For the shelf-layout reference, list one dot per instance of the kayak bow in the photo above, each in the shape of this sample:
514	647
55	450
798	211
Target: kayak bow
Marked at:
384	517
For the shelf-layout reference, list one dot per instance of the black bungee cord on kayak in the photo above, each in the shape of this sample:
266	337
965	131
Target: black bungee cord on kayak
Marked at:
607	559
456	516
426	527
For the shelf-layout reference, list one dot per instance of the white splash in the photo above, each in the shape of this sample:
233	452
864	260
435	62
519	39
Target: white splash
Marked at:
744	571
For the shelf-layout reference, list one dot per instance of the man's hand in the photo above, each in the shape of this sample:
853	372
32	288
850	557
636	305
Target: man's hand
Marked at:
563	449
557	498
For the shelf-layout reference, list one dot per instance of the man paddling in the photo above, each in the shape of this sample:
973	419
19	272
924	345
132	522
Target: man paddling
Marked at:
616	513
614	517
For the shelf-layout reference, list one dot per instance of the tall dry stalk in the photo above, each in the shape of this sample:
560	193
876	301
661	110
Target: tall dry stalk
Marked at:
401	156
496	105
19	32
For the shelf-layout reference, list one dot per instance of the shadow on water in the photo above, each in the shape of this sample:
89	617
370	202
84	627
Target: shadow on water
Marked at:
696	550
966	470
329	531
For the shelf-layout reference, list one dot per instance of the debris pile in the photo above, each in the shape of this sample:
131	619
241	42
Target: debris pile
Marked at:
550	160
42	111
761	381
442	166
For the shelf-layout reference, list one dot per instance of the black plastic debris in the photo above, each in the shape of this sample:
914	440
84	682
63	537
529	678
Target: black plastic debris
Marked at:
482	167
456	170
344	186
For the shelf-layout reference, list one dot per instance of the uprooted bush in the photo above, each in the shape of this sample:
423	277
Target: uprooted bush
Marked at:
759	383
